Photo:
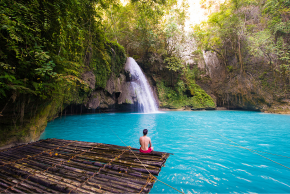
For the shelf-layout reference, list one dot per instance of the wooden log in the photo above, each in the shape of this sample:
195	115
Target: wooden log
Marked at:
122	169
12	189
90	173
149	164
9	157
23	153
29	187
119	187
35	151
128	156
45	189
117	170
107	185
46	183
152	169
88	167
143	170
109	166
128	184
69	181
52	178
90	144
141	157
82	178
22	186
76	165
6	158
123	176
10	184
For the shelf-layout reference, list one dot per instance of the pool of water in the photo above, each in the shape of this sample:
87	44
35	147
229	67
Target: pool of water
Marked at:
207	157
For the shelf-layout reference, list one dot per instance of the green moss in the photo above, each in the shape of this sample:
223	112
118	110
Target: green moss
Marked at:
128	101
110	60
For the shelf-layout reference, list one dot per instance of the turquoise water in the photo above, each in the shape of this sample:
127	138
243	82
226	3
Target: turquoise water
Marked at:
204	160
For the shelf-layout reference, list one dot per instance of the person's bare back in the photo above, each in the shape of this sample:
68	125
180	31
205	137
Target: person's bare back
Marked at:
144	142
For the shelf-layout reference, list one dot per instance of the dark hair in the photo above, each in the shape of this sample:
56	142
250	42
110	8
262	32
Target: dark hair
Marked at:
145	131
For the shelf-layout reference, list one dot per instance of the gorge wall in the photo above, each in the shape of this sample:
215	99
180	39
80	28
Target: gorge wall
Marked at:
248	90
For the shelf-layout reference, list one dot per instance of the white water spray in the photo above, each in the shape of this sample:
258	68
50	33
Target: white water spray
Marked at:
141	87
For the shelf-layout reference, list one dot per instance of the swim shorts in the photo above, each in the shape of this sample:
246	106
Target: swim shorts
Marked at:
147	151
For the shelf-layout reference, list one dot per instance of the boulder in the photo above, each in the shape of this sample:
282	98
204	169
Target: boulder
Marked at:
114	83
94	100
127	95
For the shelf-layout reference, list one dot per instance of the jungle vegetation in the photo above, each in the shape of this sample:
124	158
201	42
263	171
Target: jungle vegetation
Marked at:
255	35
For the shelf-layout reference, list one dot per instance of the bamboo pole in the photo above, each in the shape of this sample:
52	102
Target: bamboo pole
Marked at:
89	144
147	156
123	162
104	183
70	166
12	189
50	162
82	178
50	178
127	157
29	187
135	166
46	183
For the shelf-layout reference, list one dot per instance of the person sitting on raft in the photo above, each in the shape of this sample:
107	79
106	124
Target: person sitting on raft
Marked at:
144	141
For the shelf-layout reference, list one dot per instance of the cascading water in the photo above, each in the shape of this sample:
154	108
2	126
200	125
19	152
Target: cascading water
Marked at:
141	87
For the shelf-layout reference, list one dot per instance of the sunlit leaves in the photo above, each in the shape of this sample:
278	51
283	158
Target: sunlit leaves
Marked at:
173	63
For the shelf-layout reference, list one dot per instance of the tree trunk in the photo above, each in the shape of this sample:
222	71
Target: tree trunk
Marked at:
240	55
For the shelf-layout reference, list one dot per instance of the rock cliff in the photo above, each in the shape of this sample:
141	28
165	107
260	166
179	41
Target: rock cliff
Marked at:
235	90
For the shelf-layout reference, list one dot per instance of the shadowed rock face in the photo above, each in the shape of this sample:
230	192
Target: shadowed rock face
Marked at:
89	78
215	69
114	84
130	77
94	100
127	95
232	91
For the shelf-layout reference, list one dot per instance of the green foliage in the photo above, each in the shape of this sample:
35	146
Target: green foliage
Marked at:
278	10
173	63
230	68
138	26
177	98
46	46
262	43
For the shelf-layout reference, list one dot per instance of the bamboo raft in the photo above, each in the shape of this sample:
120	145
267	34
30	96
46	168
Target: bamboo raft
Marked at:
54	166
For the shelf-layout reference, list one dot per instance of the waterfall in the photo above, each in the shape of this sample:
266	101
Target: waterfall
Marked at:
141	87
